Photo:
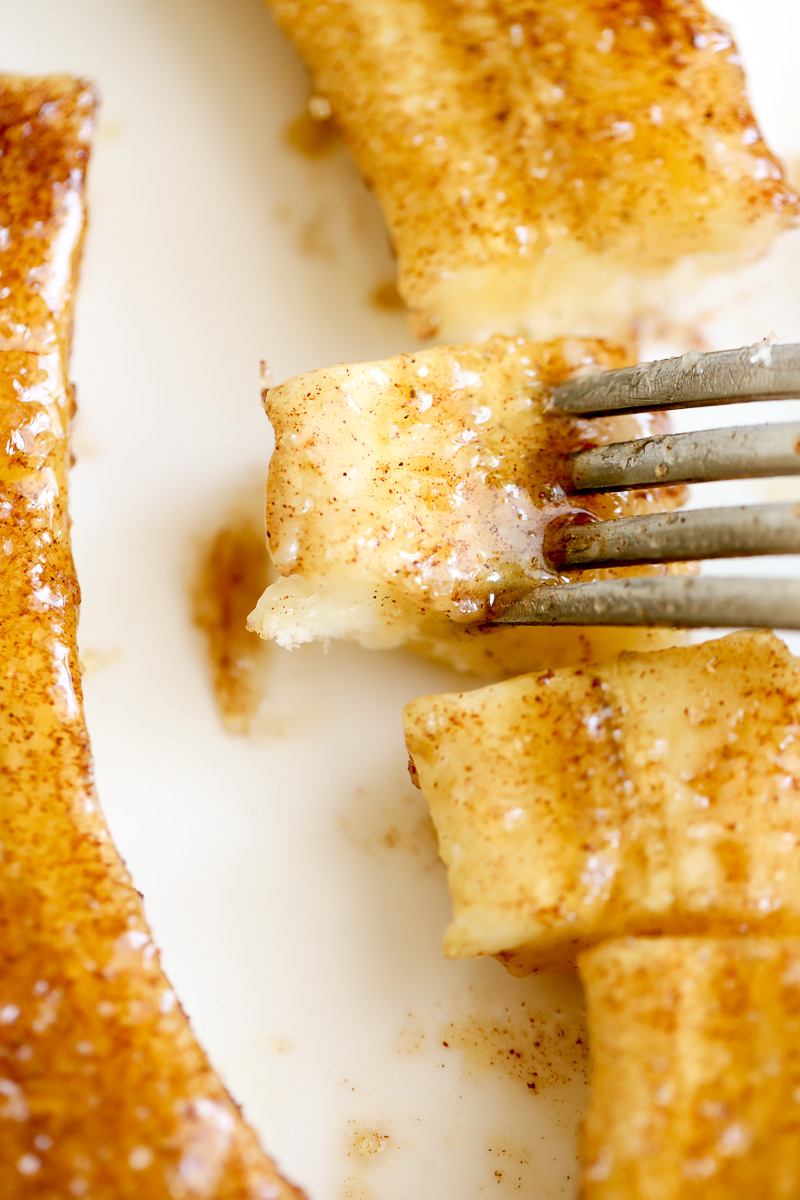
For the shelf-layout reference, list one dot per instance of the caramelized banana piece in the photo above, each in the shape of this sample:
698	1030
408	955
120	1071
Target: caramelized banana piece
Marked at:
405	495
45	125
104	1091
695	1069
546	166
653	794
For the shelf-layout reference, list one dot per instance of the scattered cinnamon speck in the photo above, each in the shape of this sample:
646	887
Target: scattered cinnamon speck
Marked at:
514	1162
399	823
231	573
355	1189
540	1049
313	134
368	1142
386	297
411	1036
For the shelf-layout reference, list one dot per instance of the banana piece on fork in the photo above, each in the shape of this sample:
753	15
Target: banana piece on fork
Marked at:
104	1091
546	166
406	498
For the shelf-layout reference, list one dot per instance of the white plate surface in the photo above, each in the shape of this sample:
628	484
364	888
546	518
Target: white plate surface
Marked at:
304	946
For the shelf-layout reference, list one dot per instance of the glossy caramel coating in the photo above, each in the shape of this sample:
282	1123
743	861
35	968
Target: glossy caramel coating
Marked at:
655	793
541	165
45	131
104	1091
695	1046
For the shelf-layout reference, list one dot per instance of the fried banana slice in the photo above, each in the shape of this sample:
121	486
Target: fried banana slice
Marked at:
104	1091
695	1069
405	496
546	166
653	794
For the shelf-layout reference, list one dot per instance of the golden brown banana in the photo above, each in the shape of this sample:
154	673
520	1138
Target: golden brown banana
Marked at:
695	1069
104	1091
544	165
656	793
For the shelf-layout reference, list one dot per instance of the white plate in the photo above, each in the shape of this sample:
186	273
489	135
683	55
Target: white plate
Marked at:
304	946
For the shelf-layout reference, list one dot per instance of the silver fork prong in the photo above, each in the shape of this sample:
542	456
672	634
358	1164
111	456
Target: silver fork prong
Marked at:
741	452
760	372
737	532
687	603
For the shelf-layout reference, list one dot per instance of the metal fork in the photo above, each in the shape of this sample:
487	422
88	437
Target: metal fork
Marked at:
760	372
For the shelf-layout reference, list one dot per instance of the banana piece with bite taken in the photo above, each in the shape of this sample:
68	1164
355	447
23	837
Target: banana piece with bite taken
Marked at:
546	166
406	496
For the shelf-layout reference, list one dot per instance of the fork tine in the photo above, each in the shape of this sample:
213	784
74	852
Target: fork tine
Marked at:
742	452
687	603
760	372
677	536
